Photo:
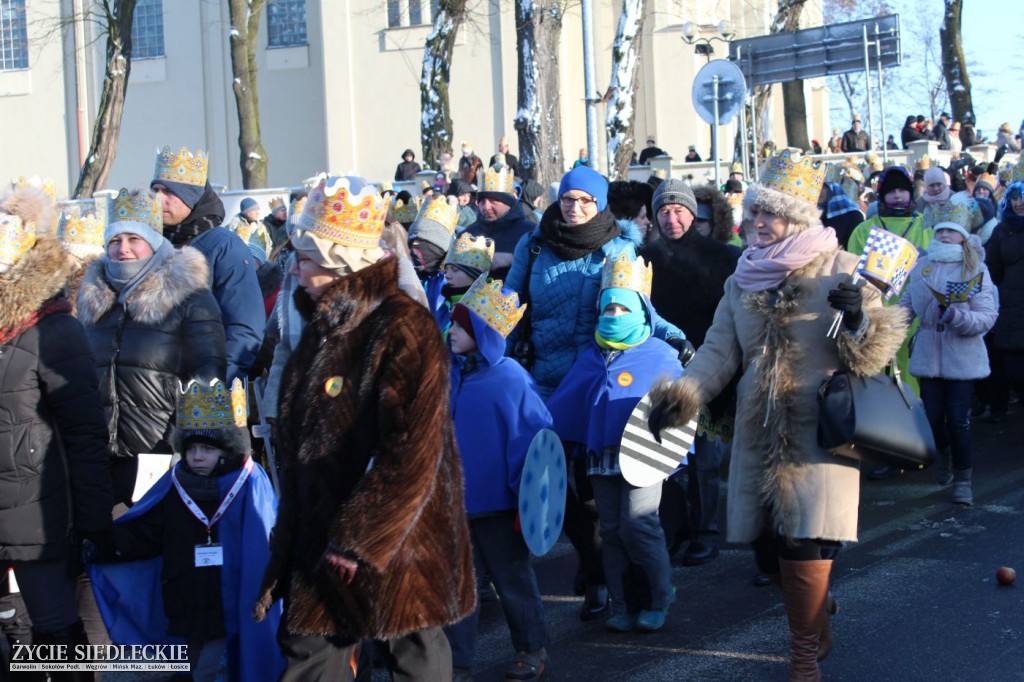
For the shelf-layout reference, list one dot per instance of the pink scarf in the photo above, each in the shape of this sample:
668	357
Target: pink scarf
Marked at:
940	198
760	269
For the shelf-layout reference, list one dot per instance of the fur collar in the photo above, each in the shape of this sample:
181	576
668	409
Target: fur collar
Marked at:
185	273
36	278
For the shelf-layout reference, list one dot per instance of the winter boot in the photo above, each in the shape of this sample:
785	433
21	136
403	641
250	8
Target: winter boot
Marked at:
825	642
805	591
944	467
962	487
71	636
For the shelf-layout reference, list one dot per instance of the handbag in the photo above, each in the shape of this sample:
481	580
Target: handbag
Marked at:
874	418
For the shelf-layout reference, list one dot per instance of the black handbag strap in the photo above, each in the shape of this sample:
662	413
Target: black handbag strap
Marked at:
898	378
524	294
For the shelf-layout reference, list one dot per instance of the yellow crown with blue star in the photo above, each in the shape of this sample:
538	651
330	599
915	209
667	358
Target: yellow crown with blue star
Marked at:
440	209
800	178
16	238
206	407
501	312
81	230
624	272
471	252
952	212
338	214
406	213
141	206
499	180
182	166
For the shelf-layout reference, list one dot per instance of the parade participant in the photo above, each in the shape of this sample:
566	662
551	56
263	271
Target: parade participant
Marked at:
151	321
714	216
983	193
247	225
910	132
56	485
276	224
464	193
192	212
502	219
950	292
429	238
938	193
208	521
590	408
583	159
408	169
468	258
855	139
940	133
788	497
839	212
497	413
469	164
82	239
371	538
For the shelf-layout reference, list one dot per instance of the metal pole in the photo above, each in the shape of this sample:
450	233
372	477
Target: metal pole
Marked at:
744	152
867	83
753	137
714	132
881	98
590	81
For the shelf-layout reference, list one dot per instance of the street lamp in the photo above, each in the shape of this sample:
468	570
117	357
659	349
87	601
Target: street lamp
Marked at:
703	46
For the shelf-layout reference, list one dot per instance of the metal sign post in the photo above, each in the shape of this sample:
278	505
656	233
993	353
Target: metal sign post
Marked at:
867	84
719	92
881	101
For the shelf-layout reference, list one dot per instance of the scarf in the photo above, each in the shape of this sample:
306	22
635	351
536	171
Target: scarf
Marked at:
619	332
941	252
57	304
838	202
125	276
940	198
760	269
571	242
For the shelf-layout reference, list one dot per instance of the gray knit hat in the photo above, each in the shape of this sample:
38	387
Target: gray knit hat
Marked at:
674	191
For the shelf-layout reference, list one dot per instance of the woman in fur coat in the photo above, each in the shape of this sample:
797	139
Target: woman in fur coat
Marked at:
151	321
793	500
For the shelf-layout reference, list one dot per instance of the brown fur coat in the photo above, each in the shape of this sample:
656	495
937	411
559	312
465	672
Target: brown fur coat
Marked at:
372	472
779	477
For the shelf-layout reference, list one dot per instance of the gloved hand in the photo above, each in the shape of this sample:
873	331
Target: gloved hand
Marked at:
946	314
98	546
848	299
684	348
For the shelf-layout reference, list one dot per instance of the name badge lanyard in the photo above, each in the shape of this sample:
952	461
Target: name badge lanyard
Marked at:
228	499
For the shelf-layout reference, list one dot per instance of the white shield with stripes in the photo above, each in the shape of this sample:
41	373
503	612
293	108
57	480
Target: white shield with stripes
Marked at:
643	460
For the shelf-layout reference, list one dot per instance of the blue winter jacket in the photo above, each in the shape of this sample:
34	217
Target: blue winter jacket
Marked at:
563	302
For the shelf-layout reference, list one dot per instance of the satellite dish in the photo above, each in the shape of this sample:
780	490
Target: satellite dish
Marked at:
732	91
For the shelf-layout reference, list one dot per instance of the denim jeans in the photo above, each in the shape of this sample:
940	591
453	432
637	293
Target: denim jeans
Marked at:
948	405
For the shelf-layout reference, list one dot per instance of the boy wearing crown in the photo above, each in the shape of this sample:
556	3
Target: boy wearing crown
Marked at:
468	258
497	412
196	544
429	238
590	408
502	219
371	539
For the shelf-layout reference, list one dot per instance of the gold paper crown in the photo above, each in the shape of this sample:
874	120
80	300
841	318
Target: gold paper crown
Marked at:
406	213
140	206
626	273
204	407
955	212
1017	175
276	203
499	180
16	238
924	163
47	185
183	167
798	178
442	210
501	312
472	252
336	214
736	167
84	229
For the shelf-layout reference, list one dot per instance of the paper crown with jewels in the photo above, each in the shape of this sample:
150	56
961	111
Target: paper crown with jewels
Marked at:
276	203
471	252
439	209
405	213
500	311
207	407
1017	174
183	167
499	181
338	214
800	178
47	185
81	233
626	273
952	213
16	238
141	206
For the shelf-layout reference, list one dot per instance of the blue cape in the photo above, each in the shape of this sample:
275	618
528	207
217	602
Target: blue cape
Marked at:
130	596
436	302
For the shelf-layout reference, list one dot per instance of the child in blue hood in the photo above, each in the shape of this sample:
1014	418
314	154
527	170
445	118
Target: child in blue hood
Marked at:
591	407
497	412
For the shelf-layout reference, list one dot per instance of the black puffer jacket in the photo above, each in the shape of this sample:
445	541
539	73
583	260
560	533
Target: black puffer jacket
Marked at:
170	330
54	478
1004	256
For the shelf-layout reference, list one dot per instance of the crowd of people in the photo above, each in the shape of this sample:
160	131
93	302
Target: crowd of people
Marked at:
409	350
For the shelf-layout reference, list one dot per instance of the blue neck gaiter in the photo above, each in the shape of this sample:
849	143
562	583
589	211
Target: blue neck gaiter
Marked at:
630	329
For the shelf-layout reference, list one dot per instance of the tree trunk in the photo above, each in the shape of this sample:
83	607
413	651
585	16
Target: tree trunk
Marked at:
245	22
621	112
795	108
538	121
436	118
117	17
786	20
954	66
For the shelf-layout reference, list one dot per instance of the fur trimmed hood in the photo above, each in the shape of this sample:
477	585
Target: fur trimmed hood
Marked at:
184	273
36	278
32	205
721	212
800	214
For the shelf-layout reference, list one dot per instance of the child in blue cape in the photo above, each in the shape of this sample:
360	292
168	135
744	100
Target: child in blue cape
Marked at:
497	413
196	545
591	407
468	259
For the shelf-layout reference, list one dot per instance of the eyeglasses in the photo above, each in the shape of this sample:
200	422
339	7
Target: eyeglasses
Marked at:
584	202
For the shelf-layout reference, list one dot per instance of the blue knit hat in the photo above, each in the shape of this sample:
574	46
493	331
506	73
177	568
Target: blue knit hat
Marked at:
248	203
586	180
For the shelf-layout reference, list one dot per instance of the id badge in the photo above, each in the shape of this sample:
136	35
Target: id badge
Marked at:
209	555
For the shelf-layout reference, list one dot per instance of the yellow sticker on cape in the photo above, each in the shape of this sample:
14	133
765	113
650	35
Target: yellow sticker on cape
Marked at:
333	386
625	379
927	271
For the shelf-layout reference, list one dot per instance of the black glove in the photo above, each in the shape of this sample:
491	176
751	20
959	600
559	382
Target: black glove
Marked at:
657	420
98	546
684	348
848	299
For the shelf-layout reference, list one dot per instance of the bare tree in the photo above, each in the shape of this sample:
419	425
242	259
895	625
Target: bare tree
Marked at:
436	118
245	22
115	18
954	66
787	19
621	112
538	121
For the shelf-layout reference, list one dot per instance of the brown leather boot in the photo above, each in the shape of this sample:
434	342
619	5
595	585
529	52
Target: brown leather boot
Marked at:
825	642
805	591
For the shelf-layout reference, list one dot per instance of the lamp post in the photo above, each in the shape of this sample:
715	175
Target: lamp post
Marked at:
703	46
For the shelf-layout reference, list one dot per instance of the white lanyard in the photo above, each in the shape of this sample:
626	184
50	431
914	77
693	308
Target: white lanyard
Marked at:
228	499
